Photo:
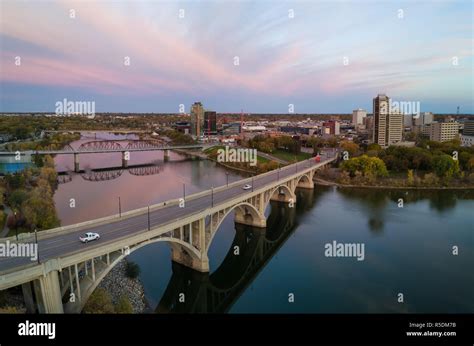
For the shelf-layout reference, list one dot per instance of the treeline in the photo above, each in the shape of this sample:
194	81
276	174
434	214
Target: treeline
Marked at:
267	144
29	194
178	138
429	164
262	165
52	142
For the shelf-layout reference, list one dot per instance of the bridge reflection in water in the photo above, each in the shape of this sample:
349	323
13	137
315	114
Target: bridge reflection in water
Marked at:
218	291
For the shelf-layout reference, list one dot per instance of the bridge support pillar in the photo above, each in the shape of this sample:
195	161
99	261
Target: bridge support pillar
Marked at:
181	256
283	196
76	162
306	184
247	217
28	298
124	159
48	293
166	155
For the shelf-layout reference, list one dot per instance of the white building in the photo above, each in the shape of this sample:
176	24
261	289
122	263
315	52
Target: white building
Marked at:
358	116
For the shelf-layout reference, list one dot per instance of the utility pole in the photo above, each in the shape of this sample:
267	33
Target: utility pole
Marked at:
120	207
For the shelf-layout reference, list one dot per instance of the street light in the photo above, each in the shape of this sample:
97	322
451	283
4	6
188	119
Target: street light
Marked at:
148	217
16	227
184	191
120	207
227	176
212	196
37	247
252	183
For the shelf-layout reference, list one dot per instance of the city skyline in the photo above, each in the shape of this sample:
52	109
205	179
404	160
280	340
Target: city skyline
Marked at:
288	53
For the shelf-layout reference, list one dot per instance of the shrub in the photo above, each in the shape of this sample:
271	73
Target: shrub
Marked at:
132	270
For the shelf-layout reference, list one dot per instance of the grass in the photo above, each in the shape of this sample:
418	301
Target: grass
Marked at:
284	155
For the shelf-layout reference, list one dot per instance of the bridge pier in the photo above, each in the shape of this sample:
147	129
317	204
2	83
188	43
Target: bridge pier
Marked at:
181	256
28	298
243	217
166	155
124	159
76	162
48	293
282	195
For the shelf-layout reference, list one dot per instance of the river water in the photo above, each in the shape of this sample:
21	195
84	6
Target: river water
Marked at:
407	250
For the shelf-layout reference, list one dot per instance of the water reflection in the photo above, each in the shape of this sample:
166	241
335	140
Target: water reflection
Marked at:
191	291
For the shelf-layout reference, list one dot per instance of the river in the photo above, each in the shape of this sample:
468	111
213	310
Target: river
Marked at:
407	250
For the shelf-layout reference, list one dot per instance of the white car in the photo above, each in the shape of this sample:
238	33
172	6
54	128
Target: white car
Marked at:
89	236
247	187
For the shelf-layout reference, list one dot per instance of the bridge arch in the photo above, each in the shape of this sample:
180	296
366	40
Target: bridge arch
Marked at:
245	213
281	193
85	295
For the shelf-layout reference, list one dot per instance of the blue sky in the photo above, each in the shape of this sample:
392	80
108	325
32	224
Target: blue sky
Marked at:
330	57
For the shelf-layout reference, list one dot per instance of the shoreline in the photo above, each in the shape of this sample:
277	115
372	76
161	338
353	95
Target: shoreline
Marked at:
324	182
116	283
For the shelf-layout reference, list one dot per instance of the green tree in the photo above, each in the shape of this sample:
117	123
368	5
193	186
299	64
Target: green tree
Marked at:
445	167
17	198
123	305
99	302
132	270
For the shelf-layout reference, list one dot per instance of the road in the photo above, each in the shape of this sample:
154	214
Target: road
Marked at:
63	244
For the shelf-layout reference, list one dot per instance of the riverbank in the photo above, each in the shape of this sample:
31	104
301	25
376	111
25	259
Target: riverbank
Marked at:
324	182
117	284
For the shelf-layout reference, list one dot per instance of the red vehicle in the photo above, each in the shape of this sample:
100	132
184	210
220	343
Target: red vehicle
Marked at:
317	158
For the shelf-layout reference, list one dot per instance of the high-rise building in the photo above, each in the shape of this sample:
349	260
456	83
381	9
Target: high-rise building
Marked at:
197	119
358	116
442	132
210	123
388	124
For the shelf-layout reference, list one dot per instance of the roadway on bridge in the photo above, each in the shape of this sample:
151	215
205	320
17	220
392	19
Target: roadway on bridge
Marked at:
62	245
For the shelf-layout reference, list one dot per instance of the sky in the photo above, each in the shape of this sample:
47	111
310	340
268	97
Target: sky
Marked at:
256	56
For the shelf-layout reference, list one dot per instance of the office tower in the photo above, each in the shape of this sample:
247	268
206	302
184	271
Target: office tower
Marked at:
210	123
388	125
197	118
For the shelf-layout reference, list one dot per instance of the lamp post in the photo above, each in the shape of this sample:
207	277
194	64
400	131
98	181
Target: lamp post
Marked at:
184	191
148	217
278	172
16	228
120	207
37	247
252	183
212	196
227	177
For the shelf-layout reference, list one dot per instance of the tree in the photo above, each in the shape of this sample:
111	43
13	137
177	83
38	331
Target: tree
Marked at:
367	166
124	306
17	198
351	147
445	167
132	270
99	302
410	178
